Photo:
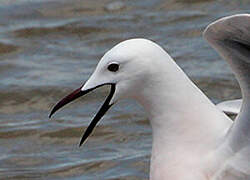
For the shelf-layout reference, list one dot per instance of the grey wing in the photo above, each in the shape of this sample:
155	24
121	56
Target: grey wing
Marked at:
236	168
230	107
230	37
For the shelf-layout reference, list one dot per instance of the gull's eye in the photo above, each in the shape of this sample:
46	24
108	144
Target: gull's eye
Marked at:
113	67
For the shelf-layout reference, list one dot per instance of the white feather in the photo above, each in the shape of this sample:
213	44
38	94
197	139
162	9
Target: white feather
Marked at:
231	107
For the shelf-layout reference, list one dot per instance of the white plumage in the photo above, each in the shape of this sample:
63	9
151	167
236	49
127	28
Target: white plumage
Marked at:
192	138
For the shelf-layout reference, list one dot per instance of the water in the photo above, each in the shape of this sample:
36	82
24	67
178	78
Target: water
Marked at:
49	48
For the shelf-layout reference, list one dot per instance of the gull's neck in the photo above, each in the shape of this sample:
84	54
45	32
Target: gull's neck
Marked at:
185	124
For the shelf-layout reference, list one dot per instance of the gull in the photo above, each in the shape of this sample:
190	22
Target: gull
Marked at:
192	138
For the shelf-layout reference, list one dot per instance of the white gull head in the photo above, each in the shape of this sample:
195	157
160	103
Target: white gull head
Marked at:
137	64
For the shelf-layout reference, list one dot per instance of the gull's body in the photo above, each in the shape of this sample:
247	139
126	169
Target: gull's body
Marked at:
192	138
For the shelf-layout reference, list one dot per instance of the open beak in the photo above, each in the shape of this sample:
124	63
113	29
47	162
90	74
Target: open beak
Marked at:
78	93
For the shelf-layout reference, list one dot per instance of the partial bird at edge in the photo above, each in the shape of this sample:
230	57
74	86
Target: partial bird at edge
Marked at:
192	138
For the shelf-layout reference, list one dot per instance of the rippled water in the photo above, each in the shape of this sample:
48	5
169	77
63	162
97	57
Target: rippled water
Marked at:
49	48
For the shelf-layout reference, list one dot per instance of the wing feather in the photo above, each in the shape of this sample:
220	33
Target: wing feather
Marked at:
237	167
230	37
231	107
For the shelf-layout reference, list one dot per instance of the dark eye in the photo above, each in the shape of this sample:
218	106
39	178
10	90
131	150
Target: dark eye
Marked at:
113	67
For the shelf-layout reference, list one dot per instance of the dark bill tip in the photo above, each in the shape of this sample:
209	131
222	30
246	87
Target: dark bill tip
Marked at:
69	98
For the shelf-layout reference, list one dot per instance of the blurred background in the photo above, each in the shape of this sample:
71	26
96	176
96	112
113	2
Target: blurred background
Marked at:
50	47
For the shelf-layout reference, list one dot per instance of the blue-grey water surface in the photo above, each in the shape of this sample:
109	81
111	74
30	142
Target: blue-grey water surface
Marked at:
48	48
